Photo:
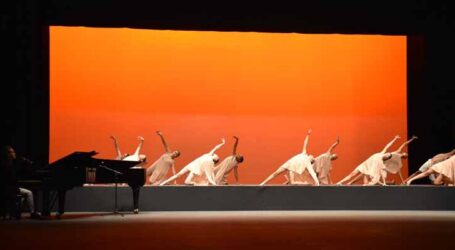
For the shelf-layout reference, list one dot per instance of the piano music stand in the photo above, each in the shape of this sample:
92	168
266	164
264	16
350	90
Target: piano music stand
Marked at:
116	175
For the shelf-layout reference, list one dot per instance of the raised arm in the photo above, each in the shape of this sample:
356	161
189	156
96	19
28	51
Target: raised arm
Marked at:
334	145
307	138
163	141
223	141
405	144
139	147
386	148
234	151
117	148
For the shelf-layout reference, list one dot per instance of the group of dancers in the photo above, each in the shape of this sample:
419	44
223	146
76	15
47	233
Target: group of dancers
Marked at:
301	169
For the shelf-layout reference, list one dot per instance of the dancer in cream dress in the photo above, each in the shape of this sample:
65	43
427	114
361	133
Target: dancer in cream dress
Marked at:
200	171
296	166
394	164
430	162
323	164
157	172
228	165
445	170
373	169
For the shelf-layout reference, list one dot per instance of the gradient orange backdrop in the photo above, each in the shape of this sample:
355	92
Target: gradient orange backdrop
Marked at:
197	87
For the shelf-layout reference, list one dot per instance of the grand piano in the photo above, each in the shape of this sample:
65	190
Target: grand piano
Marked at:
79	168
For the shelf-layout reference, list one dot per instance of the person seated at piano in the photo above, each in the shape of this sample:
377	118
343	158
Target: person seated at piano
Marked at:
228	165
127	157
9	167
200	171
157	172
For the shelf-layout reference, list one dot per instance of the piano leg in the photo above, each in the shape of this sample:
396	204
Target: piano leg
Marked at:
61	202
136	199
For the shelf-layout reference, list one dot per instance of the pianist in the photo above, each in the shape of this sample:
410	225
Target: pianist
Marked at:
9	167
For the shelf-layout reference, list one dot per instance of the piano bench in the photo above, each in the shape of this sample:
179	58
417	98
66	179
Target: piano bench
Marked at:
13	207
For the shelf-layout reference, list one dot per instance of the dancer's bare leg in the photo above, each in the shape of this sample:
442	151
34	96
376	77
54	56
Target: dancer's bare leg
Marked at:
277	172
175	177
420	176
348	177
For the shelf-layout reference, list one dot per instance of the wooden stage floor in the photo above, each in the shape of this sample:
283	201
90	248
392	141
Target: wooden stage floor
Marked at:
235	230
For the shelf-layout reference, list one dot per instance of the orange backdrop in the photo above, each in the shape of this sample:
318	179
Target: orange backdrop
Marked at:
197	87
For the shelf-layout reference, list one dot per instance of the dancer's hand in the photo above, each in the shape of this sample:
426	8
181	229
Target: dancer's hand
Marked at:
397	137
113	138
309	131
158	132
140	138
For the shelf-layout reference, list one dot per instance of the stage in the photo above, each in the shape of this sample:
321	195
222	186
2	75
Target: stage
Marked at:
235	230
237	198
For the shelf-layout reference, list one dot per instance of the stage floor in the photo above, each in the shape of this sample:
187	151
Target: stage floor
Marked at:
235	230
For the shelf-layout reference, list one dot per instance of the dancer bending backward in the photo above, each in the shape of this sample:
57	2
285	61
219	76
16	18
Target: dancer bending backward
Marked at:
394	164
323	164
200	170
158	170
126	157
445	169
432	161
372	170
227	165
296	166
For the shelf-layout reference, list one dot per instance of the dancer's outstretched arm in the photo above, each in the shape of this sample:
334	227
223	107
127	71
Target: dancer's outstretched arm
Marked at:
234	151
334	145
117	148
139	147
223	141
313	175
166	147
386	148
406	144
305	143
236	174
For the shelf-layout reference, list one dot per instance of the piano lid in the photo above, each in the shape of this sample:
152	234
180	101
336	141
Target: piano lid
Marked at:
79	158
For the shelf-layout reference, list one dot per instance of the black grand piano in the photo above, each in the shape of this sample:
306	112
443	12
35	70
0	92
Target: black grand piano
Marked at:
79	168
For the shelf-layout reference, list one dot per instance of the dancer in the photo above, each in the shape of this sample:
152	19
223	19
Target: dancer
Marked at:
372	170
157	172
200	170
126	157
445	169
430	162
227	165
323	164
394	164
296	166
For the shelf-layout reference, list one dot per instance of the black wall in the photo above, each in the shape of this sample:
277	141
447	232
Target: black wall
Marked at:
429	25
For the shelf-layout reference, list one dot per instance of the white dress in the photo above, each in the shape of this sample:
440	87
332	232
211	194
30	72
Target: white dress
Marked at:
200	168
159	169
427	165
394	164
373	167
446	168
297	166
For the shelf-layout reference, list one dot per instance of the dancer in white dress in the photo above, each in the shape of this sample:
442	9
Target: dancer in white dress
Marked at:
445	170
126	157
157	172
200	170
430	162
296	166
323	164
373	169
394	164
228	165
